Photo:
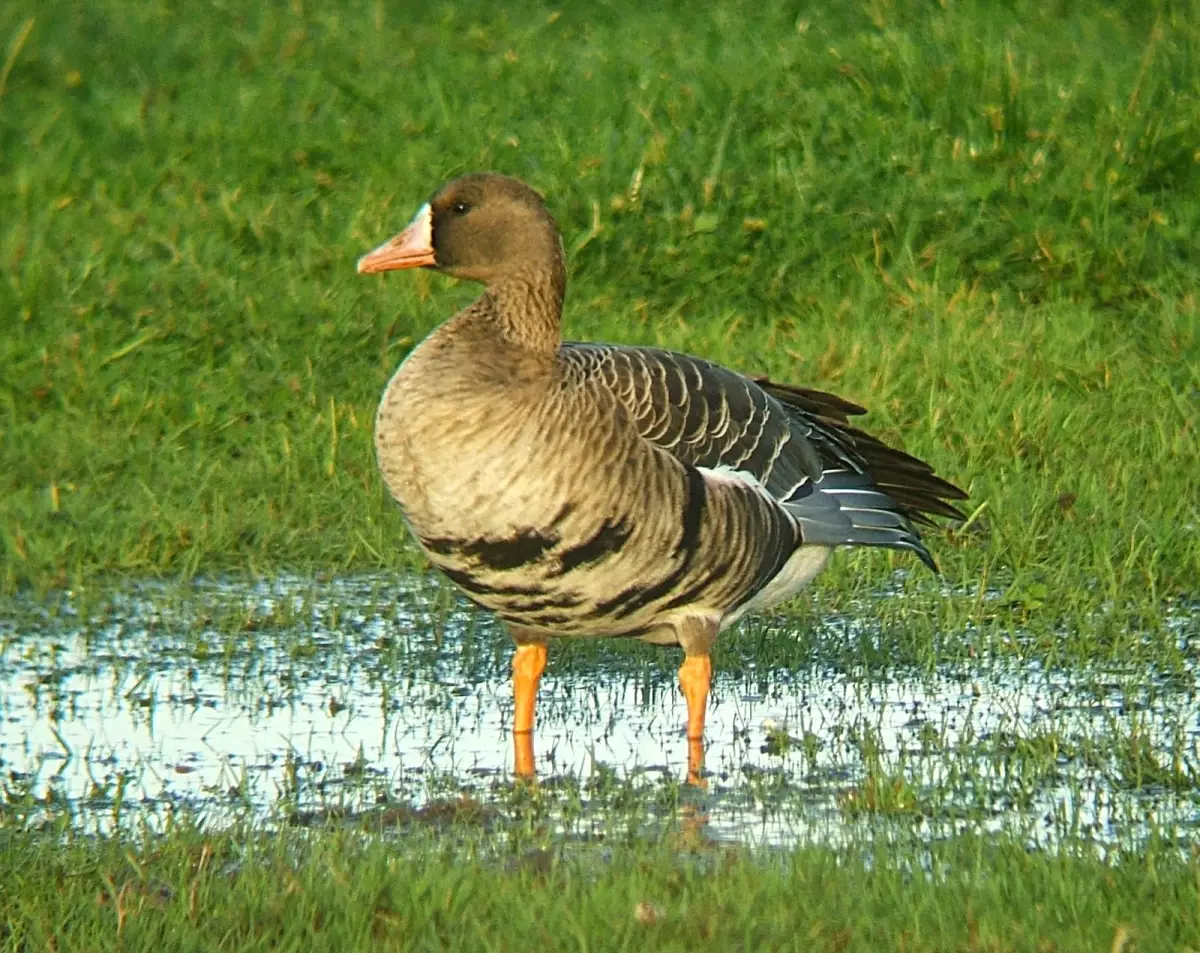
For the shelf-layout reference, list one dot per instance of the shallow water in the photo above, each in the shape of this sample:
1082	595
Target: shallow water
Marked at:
297	699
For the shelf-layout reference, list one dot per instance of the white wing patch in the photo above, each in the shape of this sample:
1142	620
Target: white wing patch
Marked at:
726	474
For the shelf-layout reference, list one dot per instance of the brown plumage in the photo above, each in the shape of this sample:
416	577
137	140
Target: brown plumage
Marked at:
596	490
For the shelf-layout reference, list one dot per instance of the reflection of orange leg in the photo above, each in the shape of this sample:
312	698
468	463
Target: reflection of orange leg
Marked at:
695	675
529	662
693	828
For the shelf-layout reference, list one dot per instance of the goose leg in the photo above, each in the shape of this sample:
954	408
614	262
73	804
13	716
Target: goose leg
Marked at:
523	755
695	676
529	661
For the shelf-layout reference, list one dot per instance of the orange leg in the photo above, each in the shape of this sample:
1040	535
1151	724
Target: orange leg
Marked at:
695	676
523	755
529	662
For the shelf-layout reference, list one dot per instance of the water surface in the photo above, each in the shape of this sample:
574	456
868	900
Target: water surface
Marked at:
302	700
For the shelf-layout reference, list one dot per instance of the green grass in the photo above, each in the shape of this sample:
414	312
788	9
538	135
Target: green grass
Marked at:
249	891
978	219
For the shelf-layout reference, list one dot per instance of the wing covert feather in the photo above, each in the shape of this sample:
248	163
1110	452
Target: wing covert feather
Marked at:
786	438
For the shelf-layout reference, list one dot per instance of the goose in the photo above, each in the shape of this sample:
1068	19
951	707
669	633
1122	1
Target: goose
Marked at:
582	490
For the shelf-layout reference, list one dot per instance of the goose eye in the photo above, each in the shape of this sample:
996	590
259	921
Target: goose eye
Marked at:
460	208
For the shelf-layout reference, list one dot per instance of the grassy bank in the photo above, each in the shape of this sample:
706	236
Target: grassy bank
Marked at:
979	221
334	891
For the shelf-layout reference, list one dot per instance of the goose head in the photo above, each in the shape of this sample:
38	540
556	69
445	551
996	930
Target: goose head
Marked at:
482	227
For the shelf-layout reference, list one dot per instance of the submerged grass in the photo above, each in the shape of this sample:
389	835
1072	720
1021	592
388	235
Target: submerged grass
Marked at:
302	700
977	220
247	891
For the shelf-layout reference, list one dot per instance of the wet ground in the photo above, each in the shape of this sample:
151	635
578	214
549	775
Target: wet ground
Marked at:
302	701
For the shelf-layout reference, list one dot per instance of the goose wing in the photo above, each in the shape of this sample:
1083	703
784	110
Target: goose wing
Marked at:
840	484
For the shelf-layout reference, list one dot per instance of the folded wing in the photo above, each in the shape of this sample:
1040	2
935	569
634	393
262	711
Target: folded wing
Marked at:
840	484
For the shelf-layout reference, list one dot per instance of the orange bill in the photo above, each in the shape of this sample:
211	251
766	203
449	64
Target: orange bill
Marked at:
412	248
